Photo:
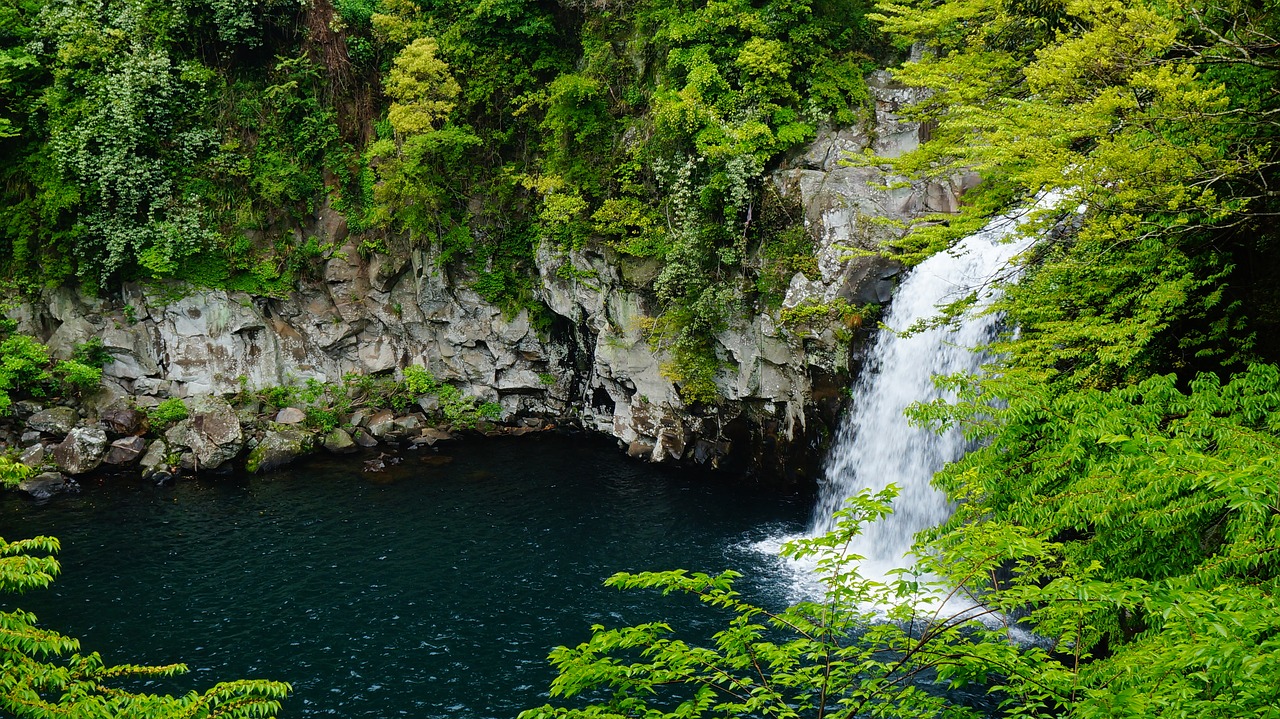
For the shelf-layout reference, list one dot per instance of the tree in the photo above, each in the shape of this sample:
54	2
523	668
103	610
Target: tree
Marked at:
45	675
421	89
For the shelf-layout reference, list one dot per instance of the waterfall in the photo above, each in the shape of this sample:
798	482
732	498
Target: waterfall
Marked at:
875	445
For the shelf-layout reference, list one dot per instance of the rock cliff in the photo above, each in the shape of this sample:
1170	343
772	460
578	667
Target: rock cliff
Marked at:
782	390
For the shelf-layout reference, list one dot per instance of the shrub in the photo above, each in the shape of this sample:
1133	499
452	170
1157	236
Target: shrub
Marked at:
169	412
92	353
77	377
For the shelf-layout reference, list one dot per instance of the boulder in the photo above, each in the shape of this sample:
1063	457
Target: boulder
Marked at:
125	421
429	404
56	421
381	422
431	435
154	458
408	423
82	451
363	438
44	486
339	442
23	409
33	456
291	415
639	450
125	451
278	448
211	432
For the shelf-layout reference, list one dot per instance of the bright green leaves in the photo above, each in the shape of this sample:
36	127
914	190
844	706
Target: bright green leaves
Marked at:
141	149
822	658
1148	480
421	89
45	676
1089	641
26	370
1160	154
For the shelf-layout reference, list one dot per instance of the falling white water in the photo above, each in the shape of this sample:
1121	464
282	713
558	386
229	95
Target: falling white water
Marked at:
875	445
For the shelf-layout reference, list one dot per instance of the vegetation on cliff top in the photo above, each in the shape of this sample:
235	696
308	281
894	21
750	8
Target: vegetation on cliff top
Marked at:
206	141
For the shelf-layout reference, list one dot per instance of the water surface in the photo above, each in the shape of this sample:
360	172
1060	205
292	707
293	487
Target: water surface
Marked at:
434	589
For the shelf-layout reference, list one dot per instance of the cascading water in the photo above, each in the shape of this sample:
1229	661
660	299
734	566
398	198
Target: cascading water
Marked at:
876	445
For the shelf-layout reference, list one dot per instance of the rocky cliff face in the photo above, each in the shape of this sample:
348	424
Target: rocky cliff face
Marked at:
593	367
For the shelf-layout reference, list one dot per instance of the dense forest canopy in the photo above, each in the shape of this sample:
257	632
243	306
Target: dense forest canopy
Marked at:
1125	501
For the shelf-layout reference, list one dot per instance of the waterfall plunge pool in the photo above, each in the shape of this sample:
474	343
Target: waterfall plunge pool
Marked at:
434	589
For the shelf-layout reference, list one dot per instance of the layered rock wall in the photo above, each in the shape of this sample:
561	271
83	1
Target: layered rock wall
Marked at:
782	390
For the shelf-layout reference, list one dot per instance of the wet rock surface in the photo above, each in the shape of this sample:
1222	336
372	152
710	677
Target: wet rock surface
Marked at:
278	448
44	485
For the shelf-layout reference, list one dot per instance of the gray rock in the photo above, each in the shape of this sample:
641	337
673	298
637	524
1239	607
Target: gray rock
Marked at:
363	438
124	421
358	418
29	437
291	415
33	456
381	422
44	486
639	450
54	421
154	458
429	403
408	423
339	442
278	448
82	451
23	409
212	433
125	451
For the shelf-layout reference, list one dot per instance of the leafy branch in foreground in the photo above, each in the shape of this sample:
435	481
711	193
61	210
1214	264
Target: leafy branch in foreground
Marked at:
895	648
45	675
838	657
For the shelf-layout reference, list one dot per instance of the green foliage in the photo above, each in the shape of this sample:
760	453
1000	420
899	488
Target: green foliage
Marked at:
142	152
1150	123
1148	480
46	675
26	369
325	403
826	658
894	648
421	89
77	378
167	413
92	353
459	410
168	143
12	472
814	315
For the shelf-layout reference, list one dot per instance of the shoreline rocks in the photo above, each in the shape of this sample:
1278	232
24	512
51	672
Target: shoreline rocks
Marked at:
216	436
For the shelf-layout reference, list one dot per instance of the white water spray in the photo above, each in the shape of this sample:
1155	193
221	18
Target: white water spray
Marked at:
875	445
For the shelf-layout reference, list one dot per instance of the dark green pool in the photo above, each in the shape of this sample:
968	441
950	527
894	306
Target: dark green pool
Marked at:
434	589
